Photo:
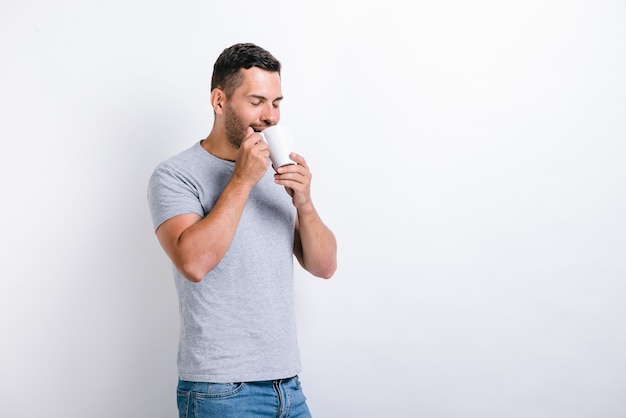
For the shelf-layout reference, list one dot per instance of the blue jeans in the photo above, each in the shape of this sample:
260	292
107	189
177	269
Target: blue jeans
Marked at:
273	398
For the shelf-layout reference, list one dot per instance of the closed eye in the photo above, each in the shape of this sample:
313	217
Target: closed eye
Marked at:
259	100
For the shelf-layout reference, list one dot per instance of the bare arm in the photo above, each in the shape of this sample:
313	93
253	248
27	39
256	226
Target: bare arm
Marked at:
195	244
315	245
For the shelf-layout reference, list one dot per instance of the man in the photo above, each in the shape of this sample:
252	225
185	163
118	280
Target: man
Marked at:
231	226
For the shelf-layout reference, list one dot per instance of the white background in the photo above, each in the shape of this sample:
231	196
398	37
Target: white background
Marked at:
470	157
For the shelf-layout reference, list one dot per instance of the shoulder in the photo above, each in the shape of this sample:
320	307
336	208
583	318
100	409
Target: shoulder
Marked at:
184	164
182	159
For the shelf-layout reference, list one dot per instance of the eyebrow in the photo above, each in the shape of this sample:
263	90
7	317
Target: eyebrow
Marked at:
256	96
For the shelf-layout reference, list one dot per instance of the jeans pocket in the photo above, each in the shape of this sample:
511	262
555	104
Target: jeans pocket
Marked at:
219	400
296	380
182	401
220	390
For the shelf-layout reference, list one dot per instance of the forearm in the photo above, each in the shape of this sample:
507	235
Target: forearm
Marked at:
316	246
202	245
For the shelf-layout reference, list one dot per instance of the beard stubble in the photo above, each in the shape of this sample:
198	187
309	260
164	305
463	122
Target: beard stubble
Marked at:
234	126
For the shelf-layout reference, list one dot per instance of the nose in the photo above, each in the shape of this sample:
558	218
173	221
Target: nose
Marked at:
270	115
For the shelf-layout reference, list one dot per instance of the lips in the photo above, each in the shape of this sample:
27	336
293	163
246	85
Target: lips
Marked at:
256	129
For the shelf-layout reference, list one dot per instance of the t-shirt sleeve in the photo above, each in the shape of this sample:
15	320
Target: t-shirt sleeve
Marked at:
170	194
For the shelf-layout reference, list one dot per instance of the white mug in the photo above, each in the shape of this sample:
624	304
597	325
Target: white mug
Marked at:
280	141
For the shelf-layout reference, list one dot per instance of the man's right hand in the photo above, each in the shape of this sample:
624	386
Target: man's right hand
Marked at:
253	158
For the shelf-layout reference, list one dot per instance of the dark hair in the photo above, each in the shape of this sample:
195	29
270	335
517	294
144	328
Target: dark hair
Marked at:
226	75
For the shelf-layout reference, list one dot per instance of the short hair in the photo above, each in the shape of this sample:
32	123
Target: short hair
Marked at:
226	74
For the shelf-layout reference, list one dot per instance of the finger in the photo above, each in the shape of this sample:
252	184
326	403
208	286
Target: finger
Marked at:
248	135
254	137
261	145
290	168
291	184
289	176
296	177
298	159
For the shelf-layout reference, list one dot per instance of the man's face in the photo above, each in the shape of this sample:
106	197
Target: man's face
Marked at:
255	104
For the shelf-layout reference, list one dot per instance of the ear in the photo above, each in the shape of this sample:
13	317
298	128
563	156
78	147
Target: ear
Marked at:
217	100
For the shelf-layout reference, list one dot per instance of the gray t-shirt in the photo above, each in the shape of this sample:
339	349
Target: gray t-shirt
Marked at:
238	323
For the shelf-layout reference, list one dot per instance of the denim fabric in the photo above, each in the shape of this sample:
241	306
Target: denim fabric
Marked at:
273	398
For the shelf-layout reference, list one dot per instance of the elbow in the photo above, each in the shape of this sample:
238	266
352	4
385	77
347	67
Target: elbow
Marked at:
327	271
192	278
194	271
192	274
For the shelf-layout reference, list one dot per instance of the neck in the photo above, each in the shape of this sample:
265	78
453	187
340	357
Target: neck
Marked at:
218	146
